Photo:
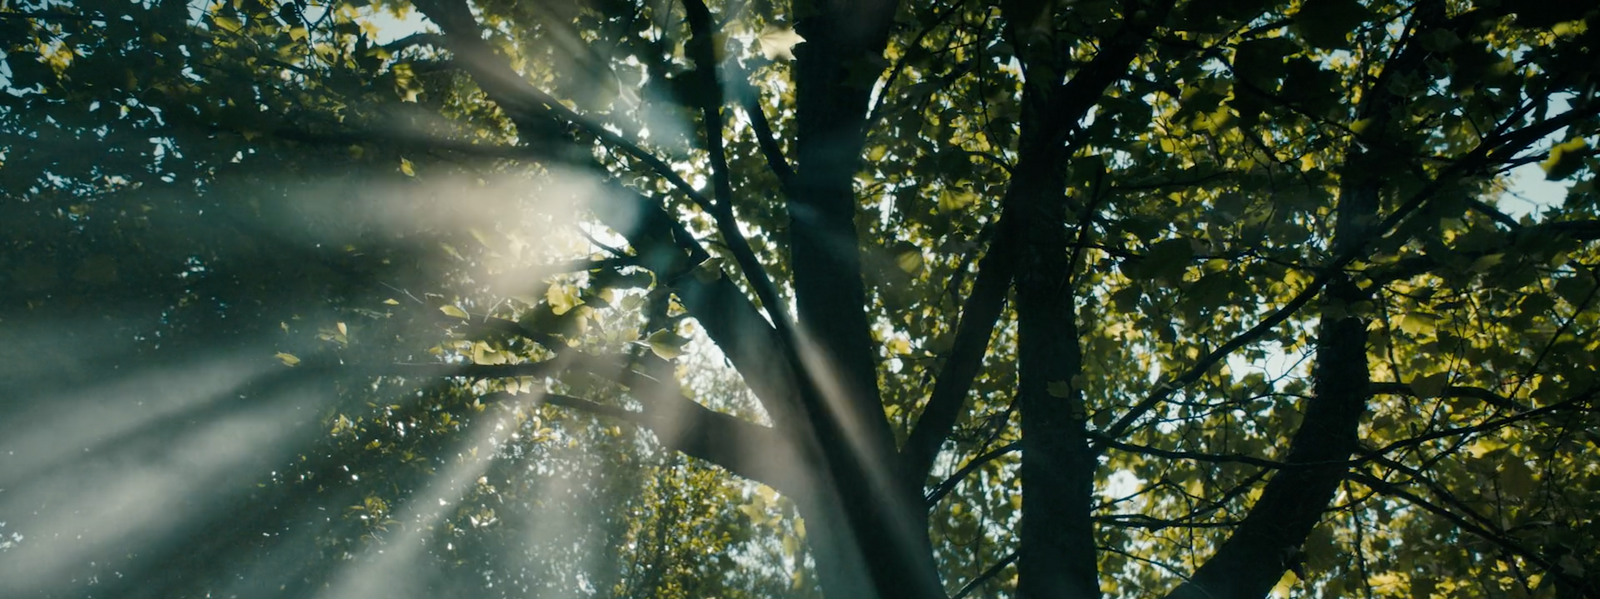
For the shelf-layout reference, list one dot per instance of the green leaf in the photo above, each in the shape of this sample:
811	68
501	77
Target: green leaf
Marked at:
1102	419
482	354
909	261
1417	323
1327	23
1167	260
1062	389
450	310
1261	62
1484	263
1565	159
562	298
708	271
226	23
287	359
1516	479
1430	386
666	344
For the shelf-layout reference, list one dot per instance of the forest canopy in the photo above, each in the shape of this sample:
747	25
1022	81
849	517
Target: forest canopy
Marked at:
885	299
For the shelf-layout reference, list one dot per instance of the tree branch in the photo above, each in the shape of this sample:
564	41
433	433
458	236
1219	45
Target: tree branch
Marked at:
48	15
1332	270
979	316
686	426
944	488
662	243
704	53
750	101
987	575
1478	393
1573	402
1499	539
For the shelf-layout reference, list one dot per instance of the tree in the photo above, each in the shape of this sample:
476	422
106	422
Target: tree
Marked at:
1127	297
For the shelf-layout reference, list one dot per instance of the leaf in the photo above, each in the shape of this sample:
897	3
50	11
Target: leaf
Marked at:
1102	419
951	200
1060	389
1167	260
791	545
1571	565
1516	479
754	512
777	43
1565	159
909	261
562	298
898	347
483	354
405	167
450	310
708	271
1484	263
666	344
1430	386
287	359
1326	23
1417	323
226	23
1260	62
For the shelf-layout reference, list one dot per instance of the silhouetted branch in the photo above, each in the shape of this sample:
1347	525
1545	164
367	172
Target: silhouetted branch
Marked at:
702	46
48	15
413	40
750	101
1480	394
1301	299
1576	401
979	315
987	575
1498	538
950	483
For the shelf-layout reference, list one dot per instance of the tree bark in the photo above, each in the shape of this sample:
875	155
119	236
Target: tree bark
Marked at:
873	541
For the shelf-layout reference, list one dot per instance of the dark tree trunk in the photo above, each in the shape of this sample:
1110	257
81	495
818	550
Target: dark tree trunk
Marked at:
873	538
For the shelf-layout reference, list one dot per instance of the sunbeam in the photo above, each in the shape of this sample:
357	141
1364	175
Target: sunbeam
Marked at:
137	462
390	567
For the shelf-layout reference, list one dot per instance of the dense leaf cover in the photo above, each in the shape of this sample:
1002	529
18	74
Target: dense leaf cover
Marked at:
756	298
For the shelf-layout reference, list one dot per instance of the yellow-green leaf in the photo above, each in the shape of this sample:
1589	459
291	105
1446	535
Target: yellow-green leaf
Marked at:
909	261
562	298
666	344
1565	159
1418	324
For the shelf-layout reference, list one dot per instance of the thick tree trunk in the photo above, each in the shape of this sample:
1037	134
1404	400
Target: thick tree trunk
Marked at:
873	539
1057	554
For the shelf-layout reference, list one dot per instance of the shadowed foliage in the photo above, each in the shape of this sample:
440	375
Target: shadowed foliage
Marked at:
811	298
